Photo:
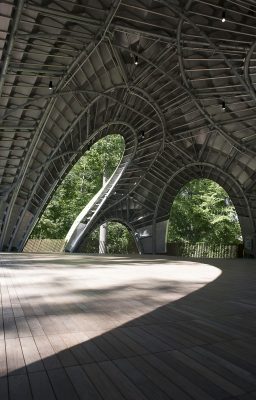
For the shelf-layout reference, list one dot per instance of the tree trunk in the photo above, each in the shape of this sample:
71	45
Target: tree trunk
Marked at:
104	227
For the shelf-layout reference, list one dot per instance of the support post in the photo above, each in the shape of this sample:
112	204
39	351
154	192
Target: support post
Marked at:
104	227
153	244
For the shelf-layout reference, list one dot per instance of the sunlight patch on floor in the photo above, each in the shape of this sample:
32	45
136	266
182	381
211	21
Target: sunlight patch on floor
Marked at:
79	297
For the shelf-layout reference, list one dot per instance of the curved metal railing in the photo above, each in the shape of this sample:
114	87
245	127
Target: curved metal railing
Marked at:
87	216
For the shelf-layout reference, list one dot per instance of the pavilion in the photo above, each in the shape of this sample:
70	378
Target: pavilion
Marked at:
177	80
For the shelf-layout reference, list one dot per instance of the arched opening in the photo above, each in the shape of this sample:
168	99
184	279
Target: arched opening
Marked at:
119	240
83	181
203	221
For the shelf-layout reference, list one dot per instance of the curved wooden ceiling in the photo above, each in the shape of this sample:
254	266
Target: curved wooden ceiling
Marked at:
170	69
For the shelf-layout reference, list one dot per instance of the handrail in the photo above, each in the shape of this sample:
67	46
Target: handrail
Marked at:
87	216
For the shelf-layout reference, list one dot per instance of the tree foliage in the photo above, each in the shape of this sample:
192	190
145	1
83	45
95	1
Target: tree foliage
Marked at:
203	212
80	185
119	240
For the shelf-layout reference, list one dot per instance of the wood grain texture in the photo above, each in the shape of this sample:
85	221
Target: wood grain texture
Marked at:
75	327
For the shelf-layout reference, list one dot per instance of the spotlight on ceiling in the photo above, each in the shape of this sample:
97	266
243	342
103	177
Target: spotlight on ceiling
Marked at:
136	60
142	134
223	106
223	18
50	85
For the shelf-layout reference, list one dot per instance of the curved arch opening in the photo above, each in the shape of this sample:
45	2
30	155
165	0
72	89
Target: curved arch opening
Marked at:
203	214
119	240
80	185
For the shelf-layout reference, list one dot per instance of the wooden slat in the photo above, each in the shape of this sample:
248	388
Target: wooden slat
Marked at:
90	347
223	383
141	381
22	327
161	381
178	378
135	329
4	388
78	351
3	363
84	387
105	387
126	387
19	387
47	353
121	347
41	386
10	329
31	355
106	347
62	386
15	359
217	365
196	378
1	327
34	326
61	349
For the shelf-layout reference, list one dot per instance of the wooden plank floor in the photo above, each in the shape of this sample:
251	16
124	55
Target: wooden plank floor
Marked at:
114	328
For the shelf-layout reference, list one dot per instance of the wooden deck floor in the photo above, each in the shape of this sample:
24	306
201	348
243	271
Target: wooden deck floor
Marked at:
113	328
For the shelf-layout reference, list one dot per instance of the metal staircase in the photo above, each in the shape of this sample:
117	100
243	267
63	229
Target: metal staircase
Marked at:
85	220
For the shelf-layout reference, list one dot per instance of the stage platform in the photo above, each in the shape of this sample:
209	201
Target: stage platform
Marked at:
121	328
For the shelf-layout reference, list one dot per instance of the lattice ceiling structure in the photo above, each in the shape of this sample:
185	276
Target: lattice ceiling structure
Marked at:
170	76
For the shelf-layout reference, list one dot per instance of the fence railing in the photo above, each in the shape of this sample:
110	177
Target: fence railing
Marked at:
198	250
44	246
204	250
57	246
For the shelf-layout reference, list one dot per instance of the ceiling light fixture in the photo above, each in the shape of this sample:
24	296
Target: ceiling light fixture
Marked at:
223	106
136	60
223	18
50	85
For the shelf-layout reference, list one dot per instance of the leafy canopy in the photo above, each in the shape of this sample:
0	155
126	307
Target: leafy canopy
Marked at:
203	212
80	185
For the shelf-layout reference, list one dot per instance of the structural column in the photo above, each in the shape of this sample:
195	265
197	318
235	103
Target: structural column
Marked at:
153	238
103	227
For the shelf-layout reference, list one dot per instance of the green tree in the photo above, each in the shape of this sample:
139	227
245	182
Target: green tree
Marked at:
80	185
203	212
120	240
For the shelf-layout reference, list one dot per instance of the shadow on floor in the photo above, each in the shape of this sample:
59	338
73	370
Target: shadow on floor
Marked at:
199	346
